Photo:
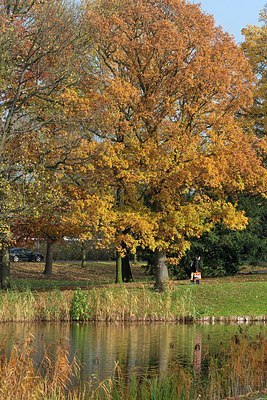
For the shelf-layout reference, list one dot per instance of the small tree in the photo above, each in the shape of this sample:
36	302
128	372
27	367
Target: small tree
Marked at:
38	50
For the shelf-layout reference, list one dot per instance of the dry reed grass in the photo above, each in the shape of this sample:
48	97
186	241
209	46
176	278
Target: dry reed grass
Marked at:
238	369
21	379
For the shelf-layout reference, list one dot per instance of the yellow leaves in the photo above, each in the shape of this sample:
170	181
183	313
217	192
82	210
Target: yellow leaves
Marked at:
11	200
74	102
228	214
123	92
186	220
177	226
261	145
135	230
255	43
88	212
234	219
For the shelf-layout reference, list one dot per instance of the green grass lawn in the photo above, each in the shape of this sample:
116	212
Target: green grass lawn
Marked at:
237	298
253	397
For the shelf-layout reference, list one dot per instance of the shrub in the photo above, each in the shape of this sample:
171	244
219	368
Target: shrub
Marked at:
80	309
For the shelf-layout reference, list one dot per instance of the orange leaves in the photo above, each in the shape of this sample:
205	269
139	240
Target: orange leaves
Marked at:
147	144
74	102
166	59
163	102
122	92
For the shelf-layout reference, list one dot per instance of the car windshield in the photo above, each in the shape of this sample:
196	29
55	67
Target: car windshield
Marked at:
18	250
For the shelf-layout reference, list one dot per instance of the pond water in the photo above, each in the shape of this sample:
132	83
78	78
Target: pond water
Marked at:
137	348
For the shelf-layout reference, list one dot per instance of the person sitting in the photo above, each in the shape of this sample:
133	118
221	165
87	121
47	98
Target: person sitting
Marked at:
197	277
195	271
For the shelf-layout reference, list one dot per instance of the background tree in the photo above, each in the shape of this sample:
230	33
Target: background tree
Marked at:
40	47
255	48
224	251
65	205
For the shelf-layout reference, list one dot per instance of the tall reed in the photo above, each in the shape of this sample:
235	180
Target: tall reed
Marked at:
18	306
237	369
135	304
22	379
172	386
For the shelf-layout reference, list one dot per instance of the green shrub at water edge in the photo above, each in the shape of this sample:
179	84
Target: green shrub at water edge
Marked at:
80	309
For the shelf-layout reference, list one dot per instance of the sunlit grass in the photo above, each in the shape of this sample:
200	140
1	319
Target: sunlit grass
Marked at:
48	284
234	298
181	301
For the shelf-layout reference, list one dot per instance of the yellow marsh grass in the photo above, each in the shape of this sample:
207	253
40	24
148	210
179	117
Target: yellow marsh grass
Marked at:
21	380
18	306
105	304
238	368
139	304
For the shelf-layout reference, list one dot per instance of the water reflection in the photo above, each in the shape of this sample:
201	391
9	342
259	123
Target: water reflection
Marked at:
136	347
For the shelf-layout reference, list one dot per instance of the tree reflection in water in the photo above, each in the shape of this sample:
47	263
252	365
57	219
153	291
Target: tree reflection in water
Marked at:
214	353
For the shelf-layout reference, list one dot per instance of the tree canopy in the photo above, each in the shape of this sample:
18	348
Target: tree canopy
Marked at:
126	117
255	47
165	91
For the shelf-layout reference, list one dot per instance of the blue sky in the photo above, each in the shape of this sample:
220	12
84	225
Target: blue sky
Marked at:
233	15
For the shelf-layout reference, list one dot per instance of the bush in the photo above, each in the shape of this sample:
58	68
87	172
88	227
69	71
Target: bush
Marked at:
79	309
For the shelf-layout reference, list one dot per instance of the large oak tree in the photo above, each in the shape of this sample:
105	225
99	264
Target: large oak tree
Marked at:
163	96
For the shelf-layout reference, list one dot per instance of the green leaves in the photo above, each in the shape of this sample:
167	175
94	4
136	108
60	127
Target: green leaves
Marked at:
80	309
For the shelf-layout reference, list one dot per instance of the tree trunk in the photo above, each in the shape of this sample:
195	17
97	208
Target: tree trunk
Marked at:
119	202
135	260
83	254
126	270
162	275
4	265
118	268
49	258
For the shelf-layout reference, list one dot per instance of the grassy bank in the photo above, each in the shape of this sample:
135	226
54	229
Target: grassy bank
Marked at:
222	299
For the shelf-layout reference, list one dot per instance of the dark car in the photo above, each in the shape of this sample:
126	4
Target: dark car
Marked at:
19	254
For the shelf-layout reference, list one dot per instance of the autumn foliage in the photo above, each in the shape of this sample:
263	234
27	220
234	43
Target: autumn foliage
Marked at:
165	92
144	146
